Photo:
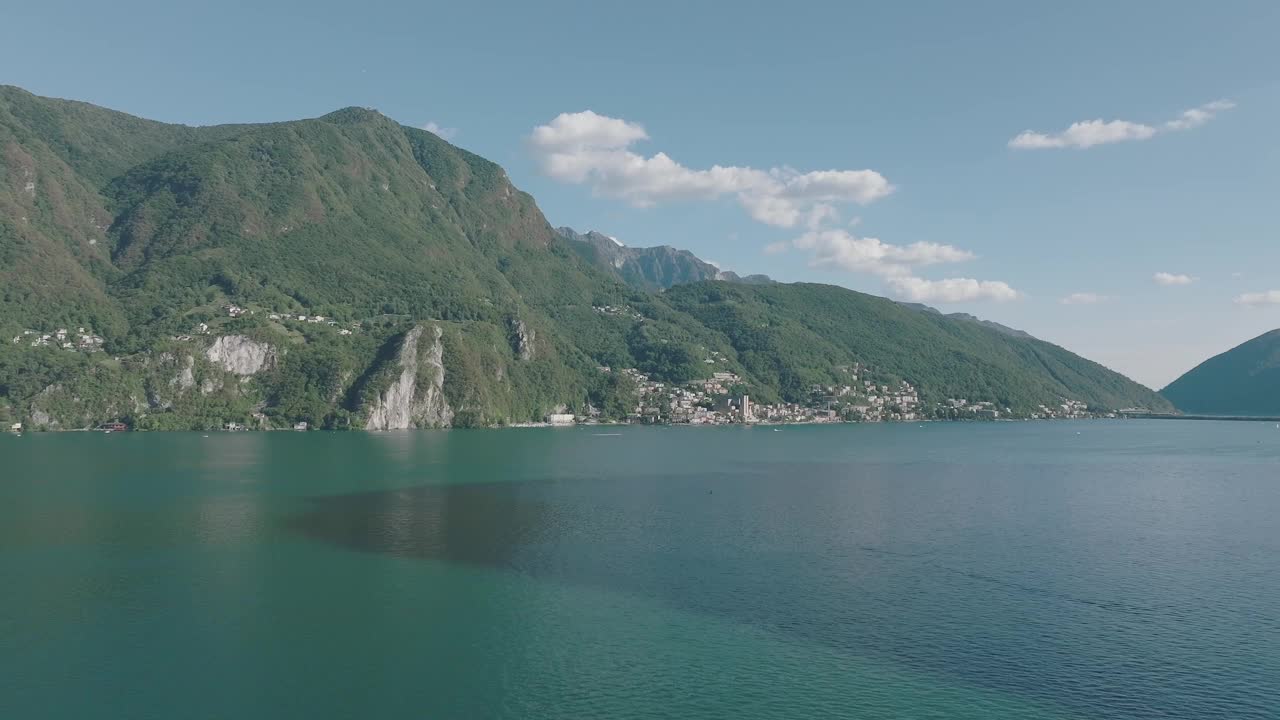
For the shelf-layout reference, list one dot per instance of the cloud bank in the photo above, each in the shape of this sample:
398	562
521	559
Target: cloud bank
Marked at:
841	250
1270	297
1169	279
1082	298
1088	133
952	290
587	148
593	149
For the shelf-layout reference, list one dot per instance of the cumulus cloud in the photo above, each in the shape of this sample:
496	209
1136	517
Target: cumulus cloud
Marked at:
447	133
836	249
842	250
1083	298
1167	279
589	148
1088	133
1084	134
1270	297
951	290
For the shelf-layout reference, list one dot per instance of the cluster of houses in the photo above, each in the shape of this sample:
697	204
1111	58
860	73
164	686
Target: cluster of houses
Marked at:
718	400
314	320
82	340
960	408
236	311
617	311
871	402
721	400
1068	409
262	423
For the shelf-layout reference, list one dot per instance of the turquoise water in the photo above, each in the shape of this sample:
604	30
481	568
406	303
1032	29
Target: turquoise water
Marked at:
1030	570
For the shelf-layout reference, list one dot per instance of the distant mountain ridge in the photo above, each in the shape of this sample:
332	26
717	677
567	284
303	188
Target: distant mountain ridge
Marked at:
966	317
649	268
1244	380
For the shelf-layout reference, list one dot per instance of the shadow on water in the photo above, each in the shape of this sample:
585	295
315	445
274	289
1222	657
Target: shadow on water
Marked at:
789	558
477	524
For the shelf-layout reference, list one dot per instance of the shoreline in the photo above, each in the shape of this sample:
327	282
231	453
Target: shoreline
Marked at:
775	425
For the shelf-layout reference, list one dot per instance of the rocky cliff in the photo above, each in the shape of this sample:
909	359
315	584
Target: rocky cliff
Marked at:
240	355
415	398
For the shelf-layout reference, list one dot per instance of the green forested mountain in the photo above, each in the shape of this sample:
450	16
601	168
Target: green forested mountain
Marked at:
347	271
1244	380
792	336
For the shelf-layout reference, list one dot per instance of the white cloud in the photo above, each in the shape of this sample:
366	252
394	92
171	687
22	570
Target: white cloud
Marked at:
1088	133
896	264
594	149
1271	297
952	290
842	250
1084	135
447	133
1083	298
820	214
586	129
1164	278
1196	117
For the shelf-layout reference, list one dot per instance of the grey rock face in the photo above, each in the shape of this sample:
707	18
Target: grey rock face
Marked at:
240	355
185	379
525	338
415	398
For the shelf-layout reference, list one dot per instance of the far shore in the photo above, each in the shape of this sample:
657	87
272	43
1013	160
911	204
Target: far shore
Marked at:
603	425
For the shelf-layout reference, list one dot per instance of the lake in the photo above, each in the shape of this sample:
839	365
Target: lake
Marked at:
1105	569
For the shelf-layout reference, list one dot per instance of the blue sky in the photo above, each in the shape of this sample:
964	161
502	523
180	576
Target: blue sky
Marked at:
914	104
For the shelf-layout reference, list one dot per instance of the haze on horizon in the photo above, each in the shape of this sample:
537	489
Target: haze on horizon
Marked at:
1101	176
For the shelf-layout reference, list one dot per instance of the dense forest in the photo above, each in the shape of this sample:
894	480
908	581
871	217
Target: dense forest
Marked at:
1244	380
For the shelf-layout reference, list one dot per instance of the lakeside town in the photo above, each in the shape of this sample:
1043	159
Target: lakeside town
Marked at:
714	401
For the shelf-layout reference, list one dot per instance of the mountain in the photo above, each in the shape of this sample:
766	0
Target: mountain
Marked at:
1244	380
649	268
792	336
350	272
966	317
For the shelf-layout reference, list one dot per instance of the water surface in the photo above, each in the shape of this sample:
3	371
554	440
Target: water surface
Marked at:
1023	570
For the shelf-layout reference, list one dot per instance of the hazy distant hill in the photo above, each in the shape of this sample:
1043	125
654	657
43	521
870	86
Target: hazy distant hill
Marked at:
649	268
1244	380
350	272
